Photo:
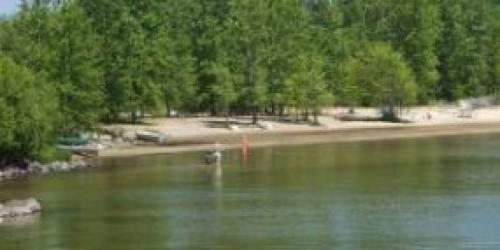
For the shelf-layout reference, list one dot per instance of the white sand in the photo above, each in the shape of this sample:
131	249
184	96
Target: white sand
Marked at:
419	116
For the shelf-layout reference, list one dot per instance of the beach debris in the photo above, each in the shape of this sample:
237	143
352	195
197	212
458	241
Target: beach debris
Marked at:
265	125
478	102
16	208
114	132
350	117
234	128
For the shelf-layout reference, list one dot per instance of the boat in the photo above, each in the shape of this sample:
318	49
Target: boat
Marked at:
151	136
81	146
91	149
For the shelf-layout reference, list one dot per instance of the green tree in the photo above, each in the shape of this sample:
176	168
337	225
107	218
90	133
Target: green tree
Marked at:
27	120
249	26
464	48
382	78
208	33
306	86
417	26
224	87
176	49
59	44
75	70
494	49
289	22
124	29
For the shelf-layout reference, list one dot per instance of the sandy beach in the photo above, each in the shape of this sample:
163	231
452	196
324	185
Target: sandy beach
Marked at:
201	133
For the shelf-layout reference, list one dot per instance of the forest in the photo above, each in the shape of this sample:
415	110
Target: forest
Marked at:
68	65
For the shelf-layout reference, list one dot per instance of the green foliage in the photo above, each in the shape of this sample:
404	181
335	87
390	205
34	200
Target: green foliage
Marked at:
379	76
224	87
306	88
50	154
61	46
104	60
465	55
75	71
26	112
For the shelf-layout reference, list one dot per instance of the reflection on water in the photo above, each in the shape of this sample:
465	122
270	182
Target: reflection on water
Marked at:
440	193
213	175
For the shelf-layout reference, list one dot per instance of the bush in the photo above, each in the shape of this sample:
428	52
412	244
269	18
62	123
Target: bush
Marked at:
27	111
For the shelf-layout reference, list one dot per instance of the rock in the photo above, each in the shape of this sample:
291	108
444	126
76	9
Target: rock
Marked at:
80	164
15	208
265	125
234	128
3	212
23	173
45	170
53	167
35	168
10	173
64	166
20	221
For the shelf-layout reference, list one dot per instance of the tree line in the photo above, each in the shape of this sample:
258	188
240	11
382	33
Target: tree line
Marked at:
67	65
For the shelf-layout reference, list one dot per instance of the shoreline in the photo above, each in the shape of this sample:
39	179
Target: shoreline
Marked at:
313	136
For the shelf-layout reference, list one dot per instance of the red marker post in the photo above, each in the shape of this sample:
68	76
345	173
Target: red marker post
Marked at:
244	150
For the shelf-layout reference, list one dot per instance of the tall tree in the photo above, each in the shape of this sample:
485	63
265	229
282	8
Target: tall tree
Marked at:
418	25
75	69
249	25
55	39
463	48
382	78
27	120
306	86
224	87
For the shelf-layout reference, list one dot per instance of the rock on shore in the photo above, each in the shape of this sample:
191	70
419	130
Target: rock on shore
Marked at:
36	168
16	208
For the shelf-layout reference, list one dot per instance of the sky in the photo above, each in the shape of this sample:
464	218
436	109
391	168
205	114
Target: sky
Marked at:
8	6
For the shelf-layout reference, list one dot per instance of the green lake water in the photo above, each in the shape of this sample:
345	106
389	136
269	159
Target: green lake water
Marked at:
433	193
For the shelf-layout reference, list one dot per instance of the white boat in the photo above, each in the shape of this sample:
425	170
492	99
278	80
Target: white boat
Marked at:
151	136
87	149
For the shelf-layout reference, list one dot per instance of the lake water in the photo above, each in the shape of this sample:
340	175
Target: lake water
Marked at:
437	193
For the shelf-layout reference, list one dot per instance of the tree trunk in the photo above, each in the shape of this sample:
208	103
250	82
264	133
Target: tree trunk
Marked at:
169	110
297	115
133	116
255	116
281	111
389	113
315	114
227	115
213	108
143	112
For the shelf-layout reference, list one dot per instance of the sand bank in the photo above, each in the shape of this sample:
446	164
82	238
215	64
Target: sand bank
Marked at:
258	138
